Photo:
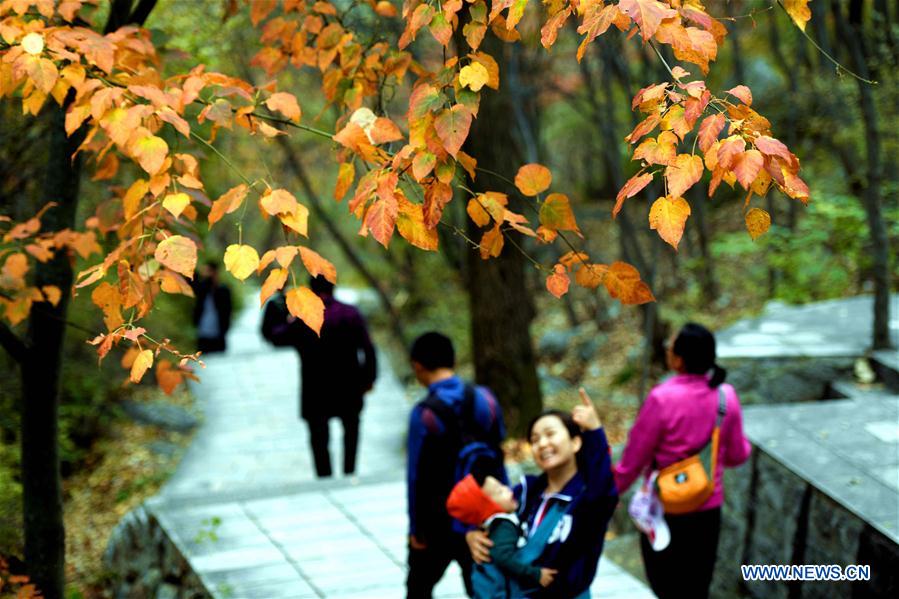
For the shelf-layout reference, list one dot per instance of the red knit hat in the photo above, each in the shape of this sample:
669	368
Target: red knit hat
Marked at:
469	504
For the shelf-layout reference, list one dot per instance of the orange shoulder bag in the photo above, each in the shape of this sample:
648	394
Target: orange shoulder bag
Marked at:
687	484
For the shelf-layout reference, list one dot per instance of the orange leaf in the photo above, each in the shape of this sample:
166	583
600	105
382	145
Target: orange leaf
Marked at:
533	179
437	196
275	281
452	128
284	255
747	166
623	283
647	14
492	243
278	201
141	363
308	307
668	215
550	30
423	164
383	130
644	127
52	294
316	265
167	377
477	213
557	283
228	203
631	188
286	104
411	225
380	219
346	174
241	260
556	213
709	130
15	266
591	275
298	220
683	173
743	93
757	222
179	254
798	11
149	151
658	151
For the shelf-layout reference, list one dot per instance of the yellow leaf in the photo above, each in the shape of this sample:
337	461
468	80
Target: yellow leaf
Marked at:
179	254
623	283
757	222
142	362
176	203
668	215
52	294
298	220
798	11
556	214
308	307
474	76
411	225
278	201
533	179
149	151
241	260
683	173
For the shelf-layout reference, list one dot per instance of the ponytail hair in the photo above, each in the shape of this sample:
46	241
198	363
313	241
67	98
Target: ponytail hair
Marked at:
695	344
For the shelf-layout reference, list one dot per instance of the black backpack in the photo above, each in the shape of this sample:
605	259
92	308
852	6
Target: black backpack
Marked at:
471	449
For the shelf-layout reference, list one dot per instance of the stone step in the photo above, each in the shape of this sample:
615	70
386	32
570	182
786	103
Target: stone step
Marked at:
886	364
850	389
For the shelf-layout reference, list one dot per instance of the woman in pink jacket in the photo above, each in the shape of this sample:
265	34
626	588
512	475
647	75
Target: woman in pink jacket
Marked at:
675	422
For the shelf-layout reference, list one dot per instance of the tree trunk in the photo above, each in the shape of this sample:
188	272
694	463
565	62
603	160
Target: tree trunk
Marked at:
851	32
501	307
40	369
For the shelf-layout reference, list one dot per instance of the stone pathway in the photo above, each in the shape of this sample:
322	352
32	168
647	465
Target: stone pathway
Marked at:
244	507
833	328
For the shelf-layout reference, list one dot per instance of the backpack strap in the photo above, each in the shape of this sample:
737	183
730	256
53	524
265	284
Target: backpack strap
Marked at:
537	541
444	413
722	406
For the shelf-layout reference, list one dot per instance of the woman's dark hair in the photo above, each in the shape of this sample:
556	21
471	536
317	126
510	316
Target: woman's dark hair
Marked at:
573	429
321	286
695	345
433	350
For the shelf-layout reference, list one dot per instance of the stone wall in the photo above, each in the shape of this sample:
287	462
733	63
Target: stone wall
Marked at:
146	564
772	516
785	380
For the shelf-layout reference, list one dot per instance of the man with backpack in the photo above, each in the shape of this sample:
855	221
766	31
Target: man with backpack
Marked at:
454	431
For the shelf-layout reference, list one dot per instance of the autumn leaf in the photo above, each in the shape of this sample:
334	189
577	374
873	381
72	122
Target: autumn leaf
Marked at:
275	281
33	43
241	260
141	363
623	283
176	203
308	307
474	76
346	174
590	276
556	213
230	201
757	222
278	201
452	128
668	215
380	219
647	14
286	104
557	282
632	187
709	130
550	30
683	173
179	254
533	179
743	93
383	130
657	151
52	294
149	151
437	196
798	11
747	167
167	377
492	243
316	265
477	213
411	225
298	220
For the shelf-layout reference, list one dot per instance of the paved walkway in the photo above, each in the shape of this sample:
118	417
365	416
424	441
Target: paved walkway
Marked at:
833	328
245	510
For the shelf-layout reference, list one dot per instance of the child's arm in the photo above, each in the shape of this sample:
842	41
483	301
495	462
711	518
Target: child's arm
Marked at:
504	535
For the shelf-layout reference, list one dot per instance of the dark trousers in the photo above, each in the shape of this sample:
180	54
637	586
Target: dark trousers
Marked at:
319	437
426	566
685	567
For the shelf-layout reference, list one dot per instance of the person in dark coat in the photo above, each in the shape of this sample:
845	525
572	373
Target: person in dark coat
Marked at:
212	310
337	369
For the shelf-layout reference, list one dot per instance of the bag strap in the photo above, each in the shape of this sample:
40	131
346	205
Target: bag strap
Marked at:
716	432
537	542
458	424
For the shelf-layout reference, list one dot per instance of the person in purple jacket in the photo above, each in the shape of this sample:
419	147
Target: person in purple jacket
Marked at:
337	368
675	422
566	510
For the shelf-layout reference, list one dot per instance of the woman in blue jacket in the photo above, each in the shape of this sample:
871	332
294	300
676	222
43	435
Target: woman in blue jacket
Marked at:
574	499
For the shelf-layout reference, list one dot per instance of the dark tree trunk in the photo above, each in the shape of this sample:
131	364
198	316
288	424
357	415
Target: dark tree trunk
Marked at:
501	307
40	369
850	32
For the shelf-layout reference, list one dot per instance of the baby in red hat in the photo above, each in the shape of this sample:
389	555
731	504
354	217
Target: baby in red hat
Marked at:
491	505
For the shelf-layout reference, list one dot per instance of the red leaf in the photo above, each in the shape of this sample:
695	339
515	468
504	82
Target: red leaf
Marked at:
452	128
630	189
557	283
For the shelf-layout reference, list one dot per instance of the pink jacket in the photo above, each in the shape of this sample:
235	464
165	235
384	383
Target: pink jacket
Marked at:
676	421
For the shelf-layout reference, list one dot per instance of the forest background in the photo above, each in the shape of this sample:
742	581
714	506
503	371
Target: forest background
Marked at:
571	116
